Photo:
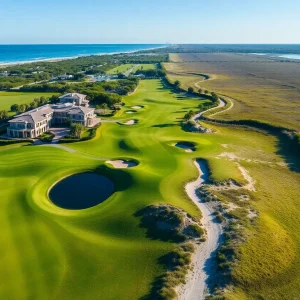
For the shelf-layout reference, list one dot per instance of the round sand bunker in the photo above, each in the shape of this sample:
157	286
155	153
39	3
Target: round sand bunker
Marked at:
122	164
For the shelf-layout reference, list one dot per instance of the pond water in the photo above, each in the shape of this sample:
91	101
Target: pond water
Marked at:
81	191
189	147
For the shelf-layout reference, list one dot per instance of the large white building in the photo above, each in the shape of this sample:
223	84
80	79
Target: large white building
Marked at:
31	124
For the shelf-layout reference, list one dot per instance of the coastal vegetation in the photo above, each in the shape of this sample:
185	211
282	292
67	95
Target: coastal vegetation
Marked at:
261	88
18	75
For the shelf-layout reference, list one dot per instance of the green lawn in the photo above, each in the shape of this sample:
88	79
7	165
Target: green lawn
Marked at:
9	98
101	252
120	69
126	67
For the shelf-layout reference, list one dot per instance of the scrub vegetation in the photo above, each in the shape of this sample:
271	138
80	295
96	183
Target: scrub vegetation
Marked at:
262	88
103	252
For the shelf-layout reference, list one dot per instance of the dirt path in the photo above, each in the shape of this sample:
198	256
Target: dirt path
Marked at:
198	116
226	109
201	279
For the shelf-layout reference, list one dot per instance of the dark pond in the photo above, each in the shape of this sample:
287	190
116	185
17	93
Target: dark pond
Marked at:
81	191
185	145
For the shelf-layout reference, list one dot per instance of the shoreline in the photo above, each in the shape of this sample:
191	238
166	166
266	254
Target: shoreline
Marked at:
57	59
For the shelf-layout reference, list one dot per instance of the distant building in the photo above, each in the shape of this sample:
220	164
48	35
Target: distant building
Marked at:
75	98
5	73
65	77
33	123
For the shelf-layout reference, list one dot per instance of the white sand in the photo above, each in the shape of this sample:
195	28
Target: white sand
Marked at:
122	164
137	107
131	122
196	281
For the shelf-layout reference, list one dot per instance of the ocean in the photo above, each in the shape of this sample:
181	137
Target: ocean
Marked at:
289	56
29	53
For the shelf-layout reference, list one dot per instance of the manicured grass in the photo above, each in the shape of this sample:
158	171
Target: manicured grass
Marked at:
9	98
147	66
120	69
125	67
102	252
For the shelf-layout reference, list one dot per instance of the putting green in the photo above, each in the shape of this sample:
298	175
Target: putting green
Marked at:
101	252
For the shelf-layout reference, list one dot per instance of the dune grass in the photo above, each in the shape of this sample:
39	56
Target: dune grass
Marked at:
102	252
264	89
9	98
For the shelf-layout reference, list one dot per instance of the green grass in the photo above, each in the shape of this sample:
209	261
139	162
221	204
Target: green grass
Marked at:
102	252
120	69
125	67
9	98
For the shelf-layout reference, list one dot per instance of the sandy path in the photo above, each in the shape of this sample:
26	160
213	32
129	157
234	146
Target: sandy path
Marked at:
201	278
198	116
222	111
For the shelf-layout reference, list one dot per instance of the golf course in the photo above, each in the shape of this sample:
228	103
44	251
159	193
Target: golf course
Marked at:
101	251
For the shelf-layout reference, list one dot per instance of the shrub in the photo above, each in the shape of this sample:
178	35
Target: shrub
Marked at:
190	90
4	142
46	137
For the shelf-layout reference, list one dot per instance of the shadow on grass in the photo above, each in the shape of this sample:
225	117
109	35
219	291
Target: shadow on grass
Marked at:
289	150
164	125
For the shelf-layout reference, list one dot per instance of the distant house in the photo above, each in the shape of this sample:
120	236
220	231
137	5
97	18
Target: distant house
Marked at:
33	123
5	73
65	77
75	98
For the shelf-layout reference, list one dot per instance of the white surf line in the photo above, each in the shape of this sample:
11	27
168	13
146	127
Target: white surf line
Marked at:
204	265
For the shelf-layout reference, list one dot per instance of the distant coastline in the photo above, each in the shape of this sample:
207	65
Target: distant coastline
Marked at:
23	54
288	56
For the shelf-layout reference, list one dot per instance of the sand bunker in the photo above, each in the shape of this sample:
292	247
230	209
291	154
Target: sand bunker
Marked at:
187	146
137	107
130	111
122	164
130	122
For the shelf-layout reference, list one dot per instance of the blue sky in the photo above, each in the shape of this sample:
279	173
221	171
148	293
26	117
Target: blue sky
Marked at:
151	21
